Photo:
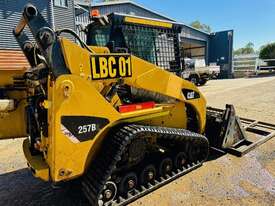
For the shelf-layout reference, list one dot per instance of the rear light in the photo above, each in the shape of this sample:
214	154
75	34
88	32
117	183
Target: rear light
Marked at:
135	107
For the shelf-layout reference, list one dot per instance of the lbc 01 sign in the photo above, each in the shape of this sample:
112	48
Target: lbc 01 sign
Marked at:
110	67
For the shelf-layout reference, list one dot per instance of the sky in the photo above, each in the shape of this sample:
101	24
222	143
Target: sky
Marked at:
252	20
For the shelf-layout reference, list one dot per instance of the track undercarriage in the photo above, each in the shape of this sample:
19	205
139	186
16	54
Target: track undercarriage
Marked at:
164	155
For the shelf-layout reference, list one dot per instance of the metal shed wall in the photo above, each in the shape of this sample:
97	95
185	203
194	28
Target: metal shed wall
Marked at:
64	16
10	14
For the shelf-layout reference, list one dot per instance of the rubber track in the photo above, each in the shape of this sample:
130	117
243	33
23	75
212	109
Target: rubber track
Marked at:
116	144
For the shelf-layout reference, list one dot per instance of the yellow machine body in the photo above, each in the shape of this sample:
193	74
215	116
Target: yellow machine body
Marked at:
62	145
81	93
11	119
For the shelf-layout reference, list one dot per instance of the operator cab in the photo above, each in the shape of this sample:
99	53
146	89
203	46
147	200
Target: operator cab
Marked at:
153	40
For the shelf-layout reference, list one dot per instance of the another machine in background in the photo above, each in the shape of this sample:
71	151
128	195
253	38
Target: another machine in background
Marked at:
196	71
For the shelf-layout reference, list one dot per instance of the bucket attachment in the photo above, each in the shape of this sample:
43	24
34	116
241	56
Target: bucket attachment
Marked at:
227	132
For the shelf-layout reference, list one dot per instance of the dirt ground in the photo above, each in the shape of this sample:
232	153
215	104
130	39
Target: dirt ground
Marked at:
227	180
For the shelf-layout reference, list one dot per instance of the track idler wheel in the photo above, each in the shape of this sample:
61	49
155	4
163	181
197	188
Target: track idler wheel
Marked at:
128	183
180	160
165	167
194	153
148	175
109	192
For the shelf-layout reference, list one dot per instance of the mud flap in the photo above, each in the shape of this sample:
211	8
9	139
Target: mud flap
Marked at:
228	133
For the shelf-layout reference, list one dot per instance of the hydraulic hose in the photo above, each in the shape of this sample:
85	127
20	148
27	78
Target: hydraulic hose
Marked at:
70	31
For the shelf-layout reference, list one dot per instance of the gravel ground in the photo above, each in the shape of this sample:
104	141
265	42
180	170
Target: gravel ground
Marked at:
227	180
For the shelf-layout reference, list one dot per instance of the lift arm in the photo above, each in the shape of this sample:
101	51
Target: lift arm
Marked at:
47	41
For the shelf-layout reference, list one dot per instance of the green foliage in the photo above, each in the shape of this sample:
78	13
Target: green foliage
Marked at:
198	25
248	49
268	52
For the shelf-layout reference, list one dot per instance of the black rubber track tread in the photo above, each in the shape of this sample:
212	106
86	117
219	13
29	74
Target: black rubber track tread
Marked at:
114	147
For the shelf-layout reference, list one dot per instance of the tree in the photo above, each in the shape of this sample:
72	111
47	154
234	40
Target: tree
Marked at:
198	25
248	49
268	52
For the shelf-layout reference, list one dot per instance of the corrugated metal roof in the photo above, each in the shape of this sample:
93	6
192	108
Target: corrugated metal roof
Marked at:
133	3
80	9
195	29
83	2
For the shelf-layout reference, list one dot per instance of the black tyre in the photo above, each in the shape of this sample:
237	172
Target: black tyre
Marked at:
194	79
202	81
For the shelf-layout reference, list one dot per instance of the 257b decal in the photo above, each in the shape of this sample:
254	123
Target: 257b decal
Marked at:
86	128
82	128
110	66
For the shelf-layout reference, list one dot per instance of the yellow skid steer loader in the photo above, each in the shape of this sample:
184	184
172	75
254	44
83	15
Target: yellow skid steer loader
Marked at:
121	125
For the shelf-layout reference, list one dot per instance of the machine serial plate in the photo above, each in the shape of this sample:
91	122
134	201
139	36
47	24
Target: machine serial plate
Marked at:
110	66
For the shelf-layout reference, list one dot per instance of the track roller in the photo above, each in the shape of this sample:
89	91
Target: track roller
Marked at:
180	160
109	192
165	167
128	183
148	175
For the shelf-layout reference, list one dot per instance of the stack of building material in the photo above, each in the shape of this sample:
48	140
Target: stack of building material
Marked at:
13	60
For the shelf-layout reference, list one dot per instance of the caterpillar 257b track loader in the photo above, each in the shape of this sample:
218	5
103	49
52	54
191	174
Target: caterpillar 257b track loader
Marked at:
119	124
